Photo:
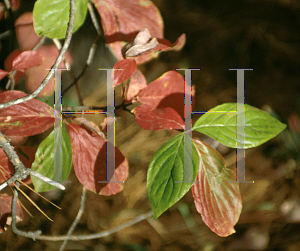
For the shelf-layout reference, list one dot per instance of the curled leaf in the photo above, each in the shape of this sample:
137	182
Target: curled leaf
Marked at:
122	20
144	43
141	44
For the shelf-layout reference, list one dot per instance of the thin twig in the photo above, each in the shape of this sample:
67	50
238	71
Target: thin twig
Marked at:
13	214
33	203
78	217
96	235
24	184
94	19
5	34
7	4
20	170
93	47
37	234
42	40
98	27
88	62
55	66
58	46
3	174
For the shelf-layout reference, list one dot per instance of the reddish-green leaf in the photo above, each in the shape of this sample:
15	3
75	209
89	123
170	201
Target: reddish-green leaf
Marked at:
44	159
126	68
89	160
25	119
26	154
137	82
123	19
27	59
3	74
163	100
5	211
26	36
218	201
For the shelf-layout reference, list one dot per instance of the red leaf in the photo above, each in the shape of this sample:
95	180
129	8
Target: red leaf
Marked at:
8	65
15	4
26	36
5	211
37	74
157	119
89	160
27	59
3	74
27	156
218	201
2	11
128	67
123	19
137	82
165	92
168	84
25	119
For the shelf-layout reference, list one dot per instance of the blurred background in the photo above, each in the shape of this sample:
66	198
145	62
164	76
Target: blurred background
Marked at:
259	34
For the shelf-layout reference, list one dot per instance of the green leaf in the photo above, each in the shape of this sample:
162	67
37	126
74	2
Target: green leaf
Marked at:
44	159
167	178
51	18
217	200
259	126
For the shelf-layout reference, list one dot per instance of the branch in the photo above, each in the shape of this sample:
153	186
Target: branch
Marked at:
37	236
55	66
13	213
5	34
21	172
78	217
